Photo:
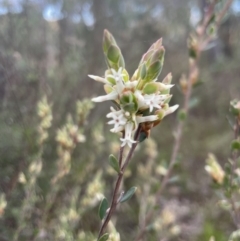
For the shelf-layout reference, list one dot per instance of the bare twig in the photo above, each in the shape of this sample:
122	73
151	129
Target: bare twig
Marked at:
192	76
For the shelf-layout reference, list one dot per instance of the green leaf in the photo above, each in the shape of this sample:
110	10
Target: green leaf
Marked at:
129	102
104	237
113	53
121	62
174	179
103	208
143	71
198	83
153	71
212	19
142	136
235	145
114	163
192	53
128	194
193	103
150	88
182	115
158	55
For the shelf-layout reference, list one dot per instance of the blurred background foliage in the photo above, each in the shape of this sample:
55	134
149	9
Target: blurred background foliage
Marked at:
47	48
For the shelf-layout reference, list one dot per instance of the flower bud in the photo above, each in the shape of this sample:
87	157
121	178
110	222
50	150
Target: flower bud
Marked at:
155	64
112	52
214	169
148	55
108	40
158	55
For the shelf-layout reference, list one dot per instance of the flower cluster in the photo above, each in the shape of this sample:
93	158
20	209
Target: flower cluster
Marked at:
140	100
214	169
44	112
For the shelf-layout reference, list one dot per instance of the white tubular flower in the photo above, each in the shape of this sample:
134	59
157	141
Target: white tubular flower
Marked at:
165	86
118	76
141	119
128	135
99	79
171	109
111	96
154	101
140	98
118	120
131	84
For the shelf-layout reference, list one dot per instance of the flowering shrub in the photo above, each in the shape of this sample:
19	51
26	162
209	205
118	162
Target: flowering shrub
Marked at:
140	104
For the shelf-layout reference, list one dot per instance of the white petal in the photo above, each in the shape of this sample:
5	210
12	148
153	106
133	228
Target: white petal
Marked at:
127	141
111	122
131	84
141	119
165	87
140	98
111	96
112	109
119	85
117	129
99	79
171	110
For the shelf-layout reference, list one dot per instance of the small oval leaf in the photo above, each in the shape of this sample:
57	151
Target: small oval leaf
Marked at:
113	53
114	163
143	71
128	194
104	237
150	88
174	179
235	145
193	103
153	71
103	208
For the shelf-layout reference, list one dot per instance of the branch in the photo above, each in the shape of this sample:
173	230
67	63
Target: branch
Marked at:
235	156
192	76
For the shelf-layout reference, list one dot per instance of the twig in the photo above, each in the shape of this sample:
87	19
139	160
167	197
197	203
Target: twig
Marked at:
218	22
118	182
193	74
223	12
235	155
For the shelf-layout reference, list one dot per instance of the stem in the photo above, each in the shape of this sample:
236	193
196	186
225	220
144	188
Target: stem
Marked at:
235	155
223	12
218	21
193	74
114	202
